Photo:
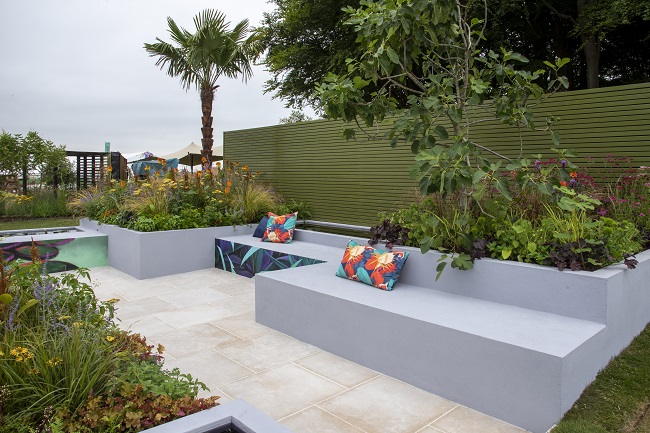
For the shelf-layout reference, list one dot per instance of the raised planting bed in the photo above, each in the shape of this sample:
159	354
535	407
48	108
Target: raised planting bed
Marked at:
61	248
516	341
155	254
236	416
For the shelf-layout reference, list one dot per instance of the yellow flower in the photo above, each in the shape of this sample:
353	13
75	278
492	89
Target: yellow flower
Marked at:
110	338
77	324
109	168
65	317
54	362
2	353
20	354
147	168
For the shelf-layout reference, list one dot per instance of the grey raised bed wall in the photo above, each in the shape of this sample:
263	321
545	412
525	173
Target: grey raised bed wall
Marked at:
155	254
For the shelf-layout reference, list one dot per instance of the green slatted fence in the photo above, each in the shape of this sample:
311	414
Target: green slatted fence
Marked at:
351	181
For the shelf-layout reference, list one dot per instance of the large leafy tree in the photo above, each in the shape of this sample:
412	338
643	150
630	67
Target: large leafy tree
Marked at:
432	52
202	57
306	39
31	153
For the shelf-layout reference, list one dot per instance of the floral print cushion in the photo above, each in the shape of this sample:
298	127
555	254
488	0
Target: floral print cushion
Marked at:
279	228
372	266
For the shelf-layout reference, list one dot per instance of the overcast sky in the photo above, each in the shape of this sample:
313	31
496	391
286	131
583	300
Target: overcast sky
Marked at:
76	72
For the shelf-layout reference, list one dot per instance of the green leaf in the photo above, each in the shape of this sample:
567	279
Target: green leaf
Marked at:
392	55
425	244
6	298
441	267
442	132
532	247
28	304
518	57
555	136
455	114
505	253
502	187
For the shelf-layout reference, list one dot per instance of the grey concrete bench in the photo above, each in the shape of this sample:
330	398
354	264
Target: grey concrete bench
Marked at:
516	341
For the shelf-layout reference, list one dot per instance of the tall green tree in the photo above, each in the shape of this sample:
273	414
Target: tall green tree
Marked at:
304	40
432	52
202	57
21	155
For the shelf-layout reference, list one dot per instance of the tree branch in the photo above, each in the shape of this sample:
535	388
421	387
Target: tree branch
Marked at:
558	13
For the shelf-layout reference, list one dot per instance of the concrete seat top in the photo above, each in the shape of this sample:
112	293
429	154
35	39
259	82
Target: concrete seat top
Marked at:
536	330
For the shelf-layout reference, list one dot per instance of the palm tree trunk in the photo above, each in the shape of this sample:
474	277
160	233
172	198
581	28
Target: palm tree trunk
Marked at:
207	140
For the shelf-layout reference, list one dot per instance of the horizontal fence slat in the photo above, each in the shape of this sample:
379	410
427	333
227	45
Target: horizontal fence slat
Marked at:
351	181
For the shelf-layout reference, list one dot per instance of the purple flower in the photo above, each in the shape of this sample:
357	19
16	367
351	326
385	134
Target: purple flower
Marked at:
602	212
563	162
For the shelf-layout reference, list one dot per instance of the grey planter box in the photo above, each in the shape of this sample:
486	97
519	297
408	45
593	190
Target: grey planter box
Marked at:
236	414
516	341
155	254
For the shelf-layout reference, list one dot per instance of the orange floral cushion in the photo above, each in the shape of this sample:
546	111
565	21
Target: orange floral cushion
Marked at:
379	268
279	228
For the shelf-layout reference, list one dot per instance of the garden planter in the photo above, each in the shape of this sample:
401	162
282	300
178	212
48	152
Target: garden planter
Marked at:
516	341
237	416
155	254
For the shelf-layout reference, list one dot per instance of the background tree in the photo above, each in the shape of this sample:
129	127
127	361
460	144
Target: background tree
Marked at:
307	38
24	155
431	51
294	117
200	58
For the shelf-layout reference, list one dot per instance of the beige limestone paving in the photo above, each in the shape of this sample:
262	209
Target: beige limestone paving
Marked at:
282	391
267	351
386	404
237	304
309	390
143	307
211	367
204	336
464	420
188	298
242	325
316	420
148	326
337	369
134	291
233	288
193	315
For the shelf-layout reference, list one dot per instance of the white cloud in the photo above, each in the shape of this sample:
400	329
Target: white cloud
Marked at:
76	72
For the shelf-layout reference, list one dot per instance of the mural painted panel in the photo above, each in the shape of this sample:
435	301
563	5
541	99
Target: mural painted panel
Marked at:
61	254
247	260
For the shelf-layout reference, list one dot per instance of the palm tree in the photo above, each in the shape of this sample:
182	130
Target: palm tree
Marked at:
202	57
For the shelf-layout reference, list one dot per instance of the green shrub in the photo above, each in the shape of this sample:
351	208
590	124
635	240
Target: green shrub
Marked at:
41	203
60	353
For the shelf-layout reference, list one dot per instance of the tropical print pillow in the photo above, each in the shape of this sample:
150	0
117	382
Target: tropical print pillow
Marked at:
372	266
279	228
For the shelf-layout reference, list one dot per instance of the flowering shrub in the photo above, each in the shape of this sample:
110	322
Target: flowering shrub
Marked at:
552	213
64	364
227	195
